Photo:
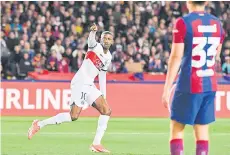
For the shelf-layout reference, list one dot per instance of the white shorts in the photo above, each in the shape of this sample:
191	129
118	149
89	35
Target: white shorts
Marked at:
84	95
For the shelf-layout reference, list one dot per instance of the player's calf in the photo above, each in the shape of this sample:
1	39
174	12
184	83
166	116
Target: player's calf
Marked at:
75	112
202	139
176	137
62	117
201	132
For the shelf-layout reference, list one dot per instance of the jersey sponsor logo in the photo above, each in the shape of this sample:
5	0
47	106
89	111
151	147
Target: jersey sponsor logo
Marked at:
95	59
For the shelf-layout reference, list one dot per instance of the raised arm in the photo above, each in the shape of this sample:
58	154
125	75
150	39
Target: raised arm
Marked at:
92	35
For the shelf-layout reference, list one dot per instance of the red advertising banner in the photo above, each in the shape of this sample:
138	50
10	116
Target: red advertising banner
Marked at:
125	99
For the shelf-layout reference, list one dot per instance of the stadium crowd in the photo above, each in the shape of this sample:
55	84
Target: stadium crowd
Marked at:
38	36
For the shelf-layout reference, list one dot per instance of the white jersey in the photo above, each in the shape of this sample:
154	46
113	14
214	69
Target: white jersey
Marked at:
95	61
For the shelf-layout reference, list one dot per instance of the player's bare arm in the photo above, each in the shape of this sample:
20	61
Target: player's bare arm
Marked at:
102	82
173	67
218	60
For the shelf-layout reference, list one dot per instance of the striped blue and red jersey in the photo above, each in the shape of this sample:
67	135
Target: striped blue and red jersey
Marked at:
201	34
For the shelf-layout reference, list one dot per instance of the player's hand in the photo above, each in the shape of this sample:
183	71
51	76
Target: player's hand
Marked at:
165	99
93	27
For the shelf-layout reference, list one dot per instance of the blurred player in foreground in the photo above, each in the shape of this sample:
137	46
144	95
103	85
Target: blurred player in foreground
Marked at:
197	41
83	91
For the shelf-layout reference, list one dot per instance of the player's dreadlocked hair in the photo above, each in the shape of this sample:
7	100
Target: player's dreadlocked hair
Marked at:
198	2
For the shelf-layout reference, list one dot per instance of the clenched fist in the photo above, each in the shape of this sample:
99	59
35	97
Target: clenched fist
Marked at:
93	27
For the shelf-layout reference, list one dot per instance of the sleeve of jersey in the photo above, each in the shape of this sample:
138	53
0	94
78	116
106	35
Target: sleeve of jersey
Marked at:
179	31
91	40
102	82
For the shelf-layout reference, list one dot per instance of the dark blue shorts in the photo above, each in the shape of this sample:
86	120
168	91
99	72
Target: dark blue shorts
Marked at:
187	108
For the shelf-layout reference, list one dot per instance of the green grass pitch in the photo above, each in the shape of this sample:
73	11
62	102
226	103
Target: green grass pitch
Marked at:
124	136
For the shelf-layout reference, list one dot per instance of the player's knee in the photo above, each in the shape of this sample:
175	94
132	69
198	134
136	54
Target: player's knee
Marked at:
177	130
106	111
109	112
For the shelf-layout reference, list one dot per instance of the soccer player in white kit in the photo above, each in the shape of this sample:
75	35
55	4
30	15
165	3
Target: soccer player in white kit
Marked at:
83	91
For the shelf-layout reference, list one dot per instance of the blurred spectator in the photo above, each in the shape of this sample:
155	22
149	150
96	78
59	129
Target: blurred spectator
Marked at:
28	50
11	41
63	66
25	65
43	50
17	55
118	65
58	48
77	60
5	53
54	34
37	63
53	61
68	55
117	13
225	54
49	38
158	66
16	26
226	66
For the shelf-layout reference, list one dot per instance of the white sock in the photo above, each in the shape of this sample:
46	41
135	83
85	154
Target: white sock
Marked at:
59	118
102	125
